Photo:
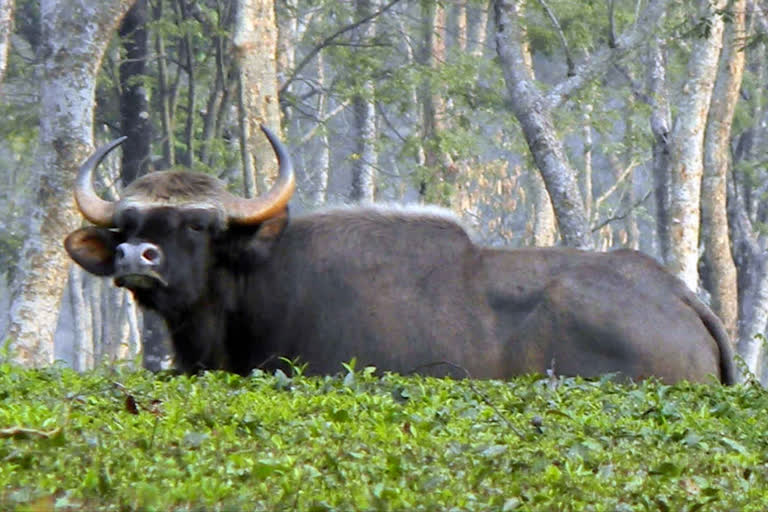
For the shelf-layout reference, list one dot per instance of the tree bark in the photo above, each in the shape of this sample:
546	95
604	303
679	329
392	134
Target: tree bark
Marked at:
6	28
134	103
721	273
255	45
478	31
544	227
750	246
164	95
751	251
535	118
188	63
365	156
686	157
218	92
660	127
586	130
320	171
135	123
83	336
75	36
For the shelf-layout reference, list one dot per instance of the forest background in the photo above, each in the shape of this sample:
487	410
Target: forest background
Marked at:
594	124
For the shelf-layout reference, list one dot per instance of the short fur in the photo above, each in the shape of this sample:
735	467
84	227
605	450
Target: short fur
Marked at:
176	186
402	290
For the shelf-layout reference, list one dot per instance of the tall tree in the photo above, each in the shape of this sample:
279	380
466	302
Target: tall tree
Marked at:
6	27
255	44
533	108
441	171
745	183
661	122
365	154
721	269
135	123
134	103
164	100
687	143
75	36
528	105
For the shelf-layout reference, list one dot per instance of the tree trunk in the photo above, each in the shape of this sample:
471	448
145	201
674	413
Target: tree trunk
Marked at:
255	45
155	345
407	47
544	227
134	122
535	120
6	28
586	127
164	94
686	157
134	104
321	166
478	31
82	327
660	127
752	258
631	236
187	58
75	36
287	38
749	244
458	25
714	221
441	172
365	155
217	93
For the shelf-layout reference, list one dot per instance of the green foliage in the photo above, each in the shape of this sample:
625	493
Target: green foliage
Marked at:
116	439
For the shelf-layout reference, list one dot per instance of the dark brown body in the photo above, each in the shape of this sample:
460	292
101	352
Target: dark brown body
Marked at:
402	291
398	290
592	313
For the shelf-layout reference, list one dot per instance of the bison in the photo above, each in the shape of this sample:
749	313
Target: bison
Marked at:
240	283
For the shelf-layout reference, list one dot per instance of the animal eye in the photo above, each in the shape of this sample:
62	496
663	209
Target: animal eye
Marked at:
195	226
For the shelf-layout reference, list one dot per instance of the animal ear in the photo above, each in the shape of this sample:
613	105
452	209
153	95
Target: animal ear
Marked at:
268	233
93	249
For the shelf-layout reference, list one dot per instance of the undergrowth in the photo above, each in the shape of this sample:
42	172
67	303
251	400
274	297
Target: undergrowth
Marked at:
120	439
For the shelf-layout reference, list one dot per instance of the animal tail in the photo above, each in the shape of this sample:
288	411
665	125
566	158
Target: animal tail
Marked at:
728	373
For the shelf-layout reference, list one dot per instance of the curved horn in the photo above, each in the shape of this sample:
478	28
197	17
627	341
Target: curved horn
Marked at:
251	211
94	208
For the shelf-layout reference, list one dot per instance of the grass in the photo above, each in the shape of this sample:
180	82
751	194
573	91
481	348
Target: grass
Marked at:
119	439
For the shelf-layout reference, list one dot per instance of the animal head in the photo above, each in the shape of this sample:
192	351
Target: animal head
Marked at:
162	236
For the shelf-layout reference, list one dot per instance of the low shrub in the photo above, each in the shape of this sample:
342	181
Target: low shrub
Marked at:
120	439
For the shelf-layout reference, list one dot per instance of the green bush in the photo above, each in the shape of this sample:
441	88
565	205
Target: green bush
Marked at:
118	439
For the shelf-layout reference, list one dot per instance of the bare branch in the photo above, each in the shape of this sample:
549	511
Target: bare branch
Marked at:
611	25
321	122
600	61
613	187
622	215
560	35
328	40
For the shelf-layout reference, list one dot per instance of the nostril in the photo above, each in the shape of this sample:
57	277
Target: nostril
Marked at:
120	252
